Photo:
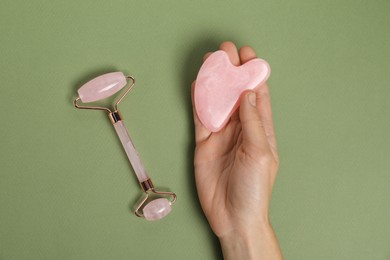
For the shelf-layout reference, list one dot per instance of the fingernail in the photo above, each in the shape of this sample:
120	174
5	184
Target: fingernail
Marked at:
252	99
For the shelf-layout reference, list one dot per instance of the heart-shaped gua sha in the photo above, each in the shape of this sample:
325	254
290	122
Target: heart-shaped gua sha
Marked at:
219	85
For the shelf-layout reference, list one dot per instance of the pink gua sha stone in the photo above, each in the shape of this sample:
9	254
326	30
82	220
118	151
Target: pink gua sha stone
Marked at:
219	85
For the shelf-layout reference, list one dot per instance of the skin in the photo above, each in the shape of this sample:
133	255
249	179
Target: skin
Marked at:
235	171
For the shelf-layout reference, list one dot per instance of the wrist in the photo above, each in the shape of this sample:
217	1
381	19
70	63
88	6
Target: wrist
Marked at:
237	245
257	243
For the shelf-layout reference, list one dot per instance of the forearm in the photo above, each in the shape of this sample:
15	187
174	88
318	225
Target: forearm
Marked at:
259	244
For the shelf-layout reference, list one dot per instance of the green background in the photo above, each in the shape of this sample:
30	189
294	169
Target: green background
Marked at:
66	189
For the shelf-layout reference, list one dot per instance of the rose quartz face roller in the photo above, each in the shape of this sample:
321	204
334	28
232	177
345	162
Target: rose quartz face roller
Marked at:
219	85
105	86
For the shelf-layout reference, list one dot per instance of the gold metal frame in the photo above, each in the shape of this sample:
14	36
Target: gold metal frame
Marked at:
148	186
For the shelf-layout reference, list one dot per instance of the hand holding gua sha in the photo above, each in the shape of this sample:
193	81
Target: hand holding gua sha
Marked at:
219	85
105	86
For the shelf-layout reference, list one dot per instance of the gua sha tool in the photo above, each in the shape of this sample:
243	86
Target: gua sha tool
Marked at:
105	86
219	85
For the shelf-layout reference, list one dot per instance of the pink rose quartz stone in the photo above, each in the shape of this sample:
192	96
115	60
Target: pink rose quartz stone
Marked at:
219	85
102	87
131	152
157	209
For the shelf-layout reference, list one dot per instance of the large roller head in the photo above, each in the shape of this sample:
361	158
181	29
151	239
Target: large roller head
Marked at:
102	87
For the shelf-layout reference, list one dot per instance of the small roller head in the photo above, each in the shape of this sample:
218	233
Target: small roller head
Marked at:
157	209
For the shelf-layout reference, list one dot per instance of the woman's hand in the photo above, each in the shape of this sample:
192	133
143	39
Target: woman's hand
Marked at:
235	170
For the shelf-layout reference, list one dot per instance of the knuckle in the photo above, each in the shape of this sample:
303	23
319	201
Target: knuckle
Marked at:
263	156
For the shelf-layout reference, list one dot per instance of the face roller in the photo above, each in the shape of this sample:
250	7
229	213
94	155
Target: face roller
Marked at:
103	87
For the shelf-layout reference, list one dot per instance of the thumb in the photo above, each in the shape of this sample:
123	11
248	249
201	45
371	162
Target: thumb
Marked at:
252	127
